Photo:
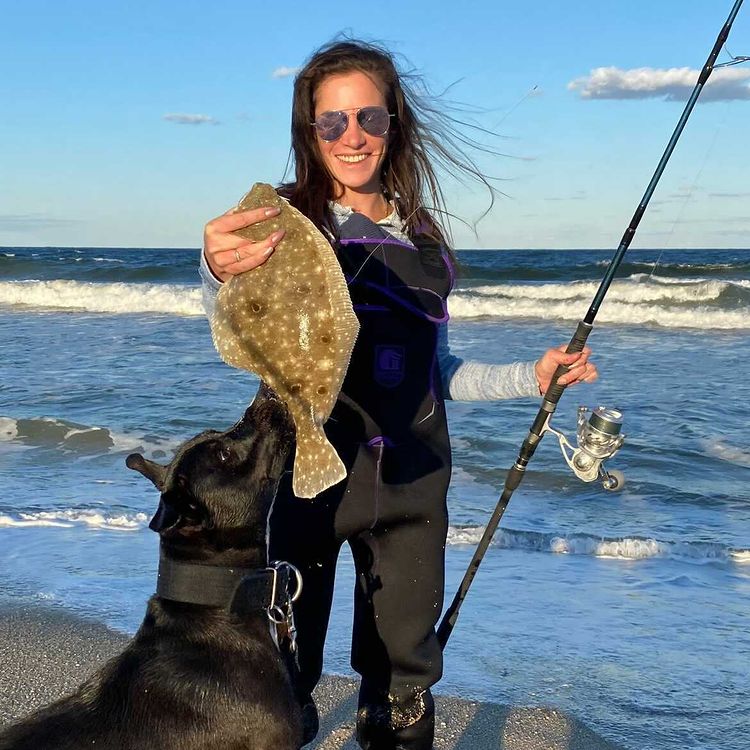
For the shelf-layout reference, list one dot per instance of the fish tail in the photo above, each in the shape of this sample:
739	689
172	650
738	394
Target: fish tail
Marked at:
317	466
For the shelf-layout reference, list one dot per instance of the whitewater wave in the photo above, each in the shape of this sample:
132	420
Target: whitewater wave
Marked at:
638	288
66	519
622	548
172	299
79	438
671	303
638	300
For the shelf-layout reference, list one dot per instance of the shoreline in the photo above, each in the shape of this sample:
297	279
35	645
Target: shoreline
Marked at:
47	652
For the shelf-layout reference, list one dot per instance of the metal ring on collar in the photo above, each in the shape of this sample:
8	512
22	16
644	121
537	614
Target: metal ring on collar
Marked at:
276	615
278	565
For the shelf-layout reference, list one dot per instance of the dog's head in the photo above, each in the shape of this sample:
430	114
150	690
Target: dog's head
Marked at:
217	491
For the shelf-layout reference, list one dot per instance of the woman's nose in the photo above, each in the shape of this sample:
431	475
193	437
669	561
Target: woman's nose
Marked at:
353	136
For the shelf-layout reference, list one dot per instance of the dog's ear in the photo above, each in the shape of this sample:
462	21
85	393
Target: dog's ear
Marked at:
152	471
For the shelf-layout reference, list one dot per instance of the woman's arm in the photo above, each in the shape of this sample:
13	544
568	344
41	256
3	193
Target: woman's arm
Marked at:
476	381
210	285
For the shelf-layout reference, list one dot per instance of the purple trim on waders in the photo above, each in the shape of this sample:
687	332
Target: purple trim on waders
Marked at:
380	440
421	313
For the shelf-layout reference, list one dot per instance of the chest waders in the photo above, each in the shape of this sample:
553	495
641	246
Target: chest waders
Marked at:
390	430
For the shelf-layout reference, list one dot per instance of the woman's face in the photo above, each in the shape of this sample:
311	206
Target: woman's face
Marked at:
354	159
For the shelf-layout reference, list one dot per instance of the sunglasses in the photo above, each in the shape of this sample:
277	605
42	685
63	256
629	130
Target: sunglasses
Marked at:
330	126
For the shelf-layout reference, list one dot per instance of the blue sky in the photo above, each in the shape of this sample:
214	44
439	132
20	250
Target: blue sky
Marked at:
96	149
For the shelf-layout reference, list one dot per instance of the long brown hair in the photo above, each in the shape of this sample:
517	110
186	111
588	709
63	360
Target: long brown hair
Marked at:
421	132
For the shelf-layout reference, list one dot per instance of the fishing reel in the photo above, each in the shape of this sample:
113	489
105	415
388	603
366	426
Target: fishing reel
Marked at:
599	438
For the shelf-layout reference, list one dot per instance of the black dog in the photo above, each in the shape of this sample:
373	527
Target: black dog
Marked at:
203	671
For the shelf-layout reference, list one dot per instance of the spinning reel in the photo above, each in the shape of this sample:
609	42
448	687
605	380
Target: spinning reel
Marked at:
598	439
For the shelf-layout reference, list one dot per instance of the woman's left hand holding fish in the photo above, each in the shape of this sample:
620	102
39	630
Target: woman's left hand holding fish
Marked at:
581	370
229	254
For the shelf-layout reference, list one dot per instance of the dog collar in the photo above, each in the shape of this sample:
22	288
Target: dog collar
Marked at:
270	588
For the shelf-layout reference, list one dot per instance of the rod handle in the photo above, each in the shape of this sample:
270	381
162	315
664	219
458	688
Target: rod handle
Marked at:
576	345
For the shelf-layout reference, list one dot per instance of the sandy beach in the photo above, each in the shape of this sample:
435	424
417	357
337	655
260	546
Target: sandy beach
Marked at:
46	653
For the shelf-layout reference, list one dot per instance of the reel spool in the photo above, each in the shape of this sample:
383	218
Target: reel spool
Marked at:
599	438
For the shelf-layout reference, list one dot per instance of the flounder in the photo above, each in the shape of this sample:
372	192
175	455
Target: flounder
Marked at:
291	321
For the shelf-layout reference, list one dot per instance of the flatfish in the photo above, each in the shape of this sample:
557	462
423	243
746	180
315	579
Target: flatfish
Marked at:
291	322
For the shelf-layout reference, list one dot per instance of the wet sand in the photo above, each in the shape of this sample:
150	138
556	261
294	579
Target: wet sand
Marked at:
45	653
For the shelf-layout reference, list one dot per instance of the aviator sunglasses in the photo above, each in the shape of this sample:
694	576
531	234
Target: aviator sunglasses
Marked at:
330	126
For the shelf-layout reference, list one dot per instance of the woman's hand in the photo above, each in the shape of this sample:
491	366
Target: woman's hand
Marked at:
228	254
581	370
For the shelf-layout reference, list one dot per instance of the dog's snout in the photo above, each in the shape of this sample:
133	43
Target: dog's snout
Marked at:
267	411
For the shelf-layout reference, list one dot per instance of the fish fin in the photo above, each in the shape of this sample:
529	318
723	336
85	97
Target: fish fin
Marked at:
317	466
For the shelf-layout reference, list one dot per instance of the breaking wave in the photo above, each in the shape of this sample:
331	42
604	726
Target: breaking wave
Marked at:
60	434
118	298
624	548
672	303
639	300
67	519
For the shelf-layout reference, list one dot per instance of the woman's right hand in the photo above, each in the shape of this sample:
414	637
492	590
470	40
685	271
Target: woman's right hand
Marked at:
229	254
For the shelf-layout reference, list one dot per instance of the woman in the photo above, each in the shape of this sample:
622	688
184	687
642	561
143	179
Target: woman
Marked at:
364	176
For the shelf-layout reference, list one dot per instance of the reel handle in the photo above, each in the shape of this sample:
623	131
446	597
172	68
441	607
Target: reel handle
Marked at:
576	345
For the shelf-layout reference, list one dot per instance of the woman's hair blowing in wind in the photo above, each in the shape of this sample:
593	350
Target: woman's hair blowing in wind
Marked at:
421	136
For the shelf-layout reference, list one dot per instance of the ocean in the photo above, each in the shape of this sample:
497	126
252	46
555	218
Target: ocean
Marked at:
628	609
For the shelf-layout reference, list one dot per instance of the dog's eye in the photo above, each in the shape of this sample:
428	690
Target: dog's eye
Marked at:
224	454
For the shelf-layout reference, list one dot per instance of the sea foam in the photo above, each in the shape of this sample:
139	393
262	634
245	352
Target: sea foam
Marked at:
638	300
622	548
171	299
71	437
671	303
66	519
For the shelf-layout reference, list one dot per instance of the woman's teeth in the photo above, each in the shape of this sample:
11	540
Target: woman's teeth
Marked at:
353	159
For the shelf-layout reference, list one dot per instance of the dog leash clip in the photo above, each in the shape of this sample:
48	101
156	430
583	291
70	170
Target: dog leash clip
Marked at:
282	614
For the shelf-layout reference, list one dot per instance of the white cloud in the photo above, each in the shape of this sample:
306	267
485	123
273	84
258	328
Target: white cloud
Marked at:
672	84
284	72
184	119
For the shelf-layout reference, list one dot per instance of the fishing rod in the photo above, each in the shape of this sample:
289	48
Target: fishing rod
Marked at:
603	422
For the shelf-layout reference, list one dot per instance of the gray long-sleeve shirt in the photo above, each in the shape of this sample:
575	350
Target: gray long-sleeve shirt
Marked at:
463	380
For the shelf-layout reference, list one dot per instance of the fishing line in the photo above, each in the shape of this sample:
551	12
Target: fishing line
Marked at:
734	60
528	94
379	245
691	192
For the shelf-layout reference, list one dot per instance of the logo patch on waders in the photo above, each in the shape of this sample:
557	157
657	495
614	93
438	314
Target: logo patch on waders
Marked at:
390	364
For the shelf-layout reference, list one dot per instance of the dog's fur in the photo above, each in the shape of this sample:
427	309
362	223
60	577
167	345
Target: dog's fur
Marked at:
194	677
